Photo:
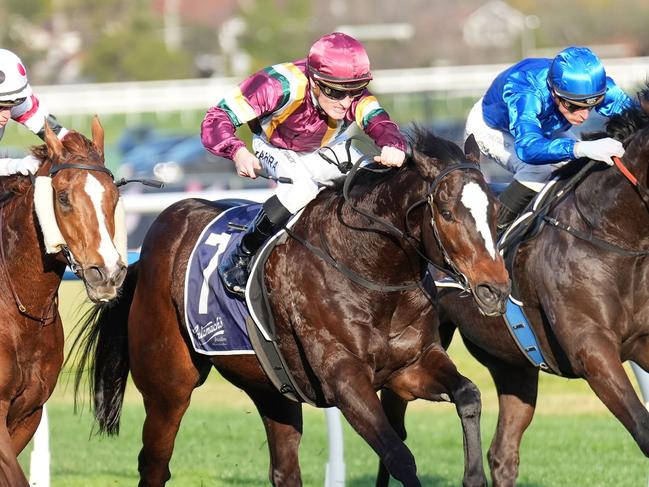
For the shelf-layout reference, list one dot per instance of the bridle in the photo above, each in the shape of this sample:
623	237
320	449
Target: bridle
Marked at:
55	169
407	236
71	262
640	188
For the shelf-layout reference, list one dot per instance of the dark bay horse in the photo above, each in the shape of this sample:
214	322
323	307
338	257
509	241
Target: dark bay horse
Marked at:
587	298
341	341
80	199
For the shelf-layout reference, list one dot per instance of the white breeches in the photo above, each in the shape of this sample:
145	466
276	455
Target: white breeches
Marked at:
309	172
498	146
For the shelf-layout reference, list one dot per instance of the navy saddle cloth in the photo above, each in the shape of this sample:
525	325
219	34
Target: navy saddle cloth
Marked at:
216	319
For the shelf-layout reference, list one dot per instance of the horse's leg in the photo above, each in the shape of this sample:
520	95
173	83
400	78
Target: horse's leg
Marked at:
517	388
356	398
602	368
395	410
283	422
435	377
24	431
166	376
11	475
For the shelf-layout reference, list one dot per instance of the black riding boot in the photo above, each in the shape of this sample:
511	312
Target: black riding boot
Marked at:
512	202
234	269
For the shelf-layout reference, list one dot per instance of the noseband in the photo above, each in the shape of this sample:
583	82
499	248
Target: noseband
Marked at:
54	169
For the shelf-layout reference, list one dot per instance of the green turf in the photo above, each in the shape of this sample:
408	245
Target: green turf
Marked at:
573	440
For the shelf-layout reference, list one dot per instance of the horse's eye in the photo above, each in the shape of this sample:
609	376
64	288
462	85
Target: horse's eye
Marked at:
63	199
447	215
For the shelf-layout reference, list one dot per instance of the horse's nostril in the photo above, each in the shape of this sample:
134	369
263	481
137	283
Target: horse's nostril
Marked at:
119	276
486	293
93	274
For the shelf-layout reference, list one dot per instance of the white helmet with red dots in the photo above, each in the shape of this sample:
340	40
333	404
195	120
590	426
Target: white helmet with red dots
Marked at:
14	86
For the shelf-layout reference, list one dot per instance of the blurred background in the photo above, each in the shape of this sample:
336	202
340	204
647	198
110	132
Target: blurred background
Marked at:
151	68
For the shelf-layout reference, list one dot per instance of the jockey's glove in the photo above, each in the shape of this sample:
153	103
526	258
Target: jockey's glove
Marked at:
26	165
599	150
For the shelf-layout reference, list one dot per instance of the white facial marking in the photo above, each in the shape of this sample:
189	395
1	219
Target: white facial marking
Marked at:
476	202
106	246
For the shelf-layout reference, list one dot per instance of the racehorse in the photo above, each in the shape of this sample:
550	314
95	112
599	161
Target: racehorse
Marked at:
79	197
342	341
584	286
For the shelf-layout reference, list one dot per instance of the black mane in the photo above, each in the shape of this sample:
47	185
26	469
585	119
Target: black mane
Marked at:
426	142
622	126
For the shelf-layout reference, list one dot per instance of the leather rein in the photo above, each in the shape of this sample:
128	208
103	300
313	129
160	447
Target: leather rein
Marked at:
642	191
392	230
50	313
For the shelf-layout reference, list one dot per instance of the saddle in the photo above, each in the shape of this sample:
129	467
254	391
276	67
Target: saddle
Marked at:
219	322
261	324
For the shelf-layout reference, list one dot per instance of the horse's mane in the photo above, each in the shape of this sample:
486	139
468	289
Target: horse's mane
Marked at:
622	126
425	141
421	140
74	143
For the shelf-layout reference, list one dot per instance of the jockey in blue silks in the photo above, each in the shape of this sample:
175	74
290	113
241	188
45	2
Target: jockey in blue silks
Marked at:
523	121
19	103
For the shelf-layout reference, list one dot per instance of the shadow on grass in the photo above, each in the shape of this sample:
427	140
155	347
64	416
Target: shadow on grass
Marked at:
426	480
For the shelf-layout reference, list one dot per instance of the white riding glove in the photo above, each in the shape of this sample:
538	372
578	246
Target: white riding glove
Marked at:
600	149
26	165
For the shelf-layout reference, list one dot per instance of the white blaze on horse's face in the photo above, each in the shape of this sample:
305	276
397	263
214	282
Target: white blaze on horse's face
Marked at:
476	201
107	248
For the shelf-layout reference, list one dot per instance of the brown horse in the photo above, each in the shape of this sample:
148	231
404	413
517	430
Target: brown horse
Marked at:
342	341
586	295
80	199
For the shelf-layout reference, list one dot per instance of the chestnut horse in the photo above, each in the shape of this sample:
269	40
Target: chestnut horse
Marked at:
342	341
586	294
79	198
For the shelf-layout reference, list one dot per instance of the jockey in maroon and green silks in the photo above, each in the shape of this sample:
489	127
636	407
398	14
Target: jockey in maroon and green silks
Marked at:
280	102
294	109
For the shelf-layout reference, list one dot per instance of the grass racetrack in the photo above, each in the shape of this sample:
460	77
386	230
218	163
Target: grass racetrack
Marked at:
573	440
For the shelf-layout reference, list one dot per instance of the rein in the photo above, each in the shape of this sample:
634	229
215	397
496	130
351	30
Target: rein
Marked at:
74	266
50	313
395	232
640	188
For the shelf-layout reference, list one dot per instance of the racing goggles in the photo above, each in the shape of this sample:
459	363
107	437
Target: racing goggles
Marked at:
575	105
11	103
336	94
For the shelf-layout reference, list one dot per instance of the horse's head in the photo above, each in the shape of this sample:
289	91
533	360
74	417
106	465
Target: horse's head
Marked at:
460	219
76	202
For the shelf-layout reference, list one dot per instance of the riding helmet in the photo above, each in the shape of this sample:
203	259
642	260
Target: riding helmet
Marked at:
339	61
13	77
576	73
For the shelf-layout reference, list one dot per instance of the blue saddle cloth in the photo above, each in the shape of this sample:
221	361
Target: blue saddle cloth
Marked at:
216	319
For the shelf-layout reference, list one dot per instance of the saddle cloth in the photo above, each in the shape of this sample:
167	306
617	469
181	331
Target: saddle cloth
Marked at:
216	319
220	323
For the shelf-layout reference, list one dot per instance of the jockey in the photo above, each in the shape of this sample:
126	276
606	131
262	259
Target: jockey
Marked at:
294	109
523	122
17	102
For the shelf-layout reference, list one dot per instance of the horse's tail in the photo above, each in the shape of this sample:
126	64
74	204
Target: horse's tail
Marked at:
101	350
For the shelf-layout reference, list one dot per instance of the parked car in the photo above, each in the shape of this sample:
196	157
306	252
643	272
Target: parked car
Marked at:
139	161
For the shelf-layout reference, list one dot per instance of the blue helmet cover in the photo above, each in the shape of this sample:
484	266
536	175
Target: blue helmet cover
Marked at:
576	73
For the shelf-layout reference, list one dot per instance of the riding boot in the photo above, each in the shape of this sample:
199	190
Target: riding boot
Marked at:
235	268
513	201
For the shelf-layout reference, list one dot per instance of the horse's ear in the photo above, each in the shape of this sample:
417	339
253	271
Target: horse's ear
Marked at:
427	166
54	145
97	135
471	149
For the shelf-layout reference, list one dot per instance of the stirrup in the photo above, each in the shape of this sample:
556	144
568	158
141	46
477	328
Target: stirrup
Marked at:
234	272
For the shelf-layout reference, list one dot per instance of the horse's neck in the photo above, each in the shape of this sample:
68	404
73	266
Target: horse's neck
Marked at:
22	247
611	204
389	200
